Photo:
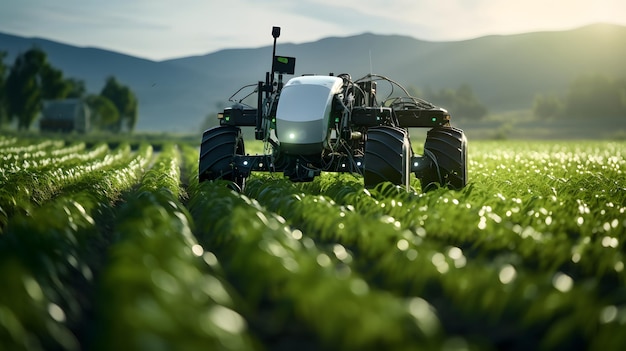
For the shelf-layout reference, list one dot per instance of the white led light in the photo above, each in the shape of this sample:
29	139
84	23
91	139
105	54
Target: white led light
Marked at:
292	135
245	163
415	164
358	163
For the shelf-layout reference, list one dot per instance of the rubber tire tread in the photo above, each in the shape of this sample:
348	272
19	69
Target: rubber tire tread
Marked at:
449	146
219	146
383	160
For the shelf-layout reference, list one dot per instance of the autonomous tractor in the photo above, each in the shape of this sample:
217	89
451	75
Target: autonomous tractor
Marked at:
333	123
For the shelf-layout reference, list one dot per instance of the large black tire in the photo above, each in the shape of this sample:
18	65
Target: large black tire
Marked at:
217	151
387	156
446	148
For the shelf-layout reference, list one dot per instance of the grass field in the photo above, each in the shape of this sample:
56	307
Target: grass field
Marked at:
117	247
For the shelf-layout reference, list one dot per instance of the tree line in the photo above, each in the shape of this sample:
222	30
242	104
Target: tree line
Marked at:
461	102
32	79
588	96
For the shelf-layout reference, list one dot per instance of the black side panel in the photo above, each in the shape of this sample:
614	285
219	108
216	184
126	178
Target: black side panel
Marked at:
371	116
422	118
244	117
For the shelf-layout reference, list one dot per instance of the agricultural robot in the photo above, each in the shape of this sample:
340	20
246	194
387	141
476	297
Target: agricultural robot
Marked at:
327	123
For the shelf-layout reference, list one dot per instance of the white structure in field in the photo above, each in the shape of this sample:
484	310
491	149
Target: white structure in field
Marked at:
65	116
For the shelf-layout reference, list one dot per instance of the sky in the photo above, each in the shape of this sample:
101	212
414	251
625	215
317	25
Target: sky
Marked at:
158	29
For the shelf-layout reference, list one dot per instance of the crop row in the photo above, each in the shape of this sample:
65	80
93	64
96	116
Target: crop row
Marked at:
158	287
473	259
25	188
26	160
50	255
114	266
14	146
129	251
296	293
7	141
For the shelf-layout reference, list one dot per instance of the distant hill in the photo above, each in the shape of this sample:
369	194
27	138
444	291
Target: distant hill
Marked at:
505	72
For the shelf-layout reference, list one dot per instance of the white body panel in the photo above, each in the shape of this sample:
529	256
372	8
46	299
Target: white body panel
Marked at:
303	113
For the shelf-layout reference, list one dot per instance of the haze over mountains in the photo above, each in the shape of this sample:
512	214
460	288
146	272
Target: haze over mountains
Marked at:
505	72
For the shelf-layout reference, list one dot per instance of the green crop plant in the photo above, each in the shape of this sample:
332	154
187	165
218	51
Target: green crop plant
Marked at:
113	246
315	288
55	249
25	188
159	289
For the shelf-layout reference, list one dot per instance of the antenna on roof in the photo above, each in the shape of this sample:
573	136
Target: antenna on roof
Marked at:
275	34
280	64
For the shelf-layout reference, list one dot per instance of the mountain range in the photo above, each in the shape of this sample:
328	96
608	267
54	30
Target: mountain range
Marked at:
505	72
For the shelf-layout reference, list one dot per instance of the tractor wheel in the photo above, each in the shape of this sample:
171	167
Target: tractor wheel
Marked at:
217	151
446	148
387	156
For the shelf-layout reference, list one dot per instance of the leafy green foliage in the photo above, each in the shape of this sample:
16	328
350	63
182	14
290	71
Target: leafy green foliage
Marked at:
125	101
53	86
23	90
31	80
462	100
49	256
588	95
4	118
596	95
33	183
157	291
76	88
129	251
548	106
314	289
104	114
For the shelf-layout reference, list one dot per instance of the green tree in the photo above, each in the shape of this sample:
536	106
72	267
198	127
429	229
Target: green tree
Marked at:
53	85
548	106
31	80
124	100
588	96
104	114
77	88
467	103
444	97
595	95
460	102
24	87
4	118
